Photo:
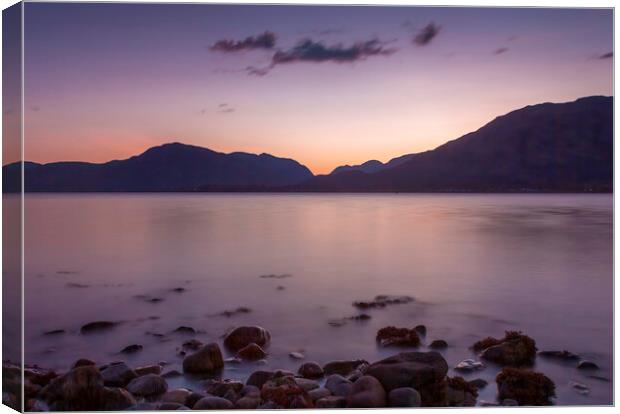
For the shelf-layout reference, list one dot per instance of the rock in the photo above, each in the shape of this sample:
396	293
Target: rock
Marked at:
356	374
239	310
331	402
213	403
258	378
460	393
130	349
382	301
319	393
438	344
229	389
307	384
515	349
82	389
392	336
169	406
420	329
83	362
479	383
251	352
171	374
117	374
404	397
192	344
586	365
310	370
525	387
338	385
247	403
296	355
242	336
148	369
97	326
284	392
250	391
509	402
147	385
563	355
342	367
424	371
205	361
38	376
185	330
409	369
179	290
580	388
54	332
194	397
367	392
468	365
178	395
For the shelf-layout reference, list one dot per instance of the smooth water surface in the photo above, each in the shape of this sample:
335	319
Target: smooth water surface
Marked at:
477	265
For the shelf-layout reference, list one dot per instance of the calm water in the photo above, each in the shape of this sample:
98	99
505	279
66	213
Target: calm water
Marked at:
476	264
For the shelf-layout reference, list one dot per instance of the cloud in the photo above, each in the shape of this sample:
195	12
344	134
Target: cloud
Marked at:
266	40
224	108
317	52
427	34
500	50
254	71
607	55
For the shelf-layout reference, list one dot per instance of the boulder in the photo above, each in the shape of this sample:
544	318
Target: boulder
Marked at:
229	389
194	397
247	403
424	371
515	349
318	393
310	370
404	397
258	378
563	355
331	402
83	362
479	383
409	369
97	326
367	392
242	336
117	374
82	389
213	403
468	365
438	344
284	392
420	329
148	385
307	384
341	367
461	393
586	365
207	360
148	369
338	385
524	386
392	336
251	352
131	349
178	395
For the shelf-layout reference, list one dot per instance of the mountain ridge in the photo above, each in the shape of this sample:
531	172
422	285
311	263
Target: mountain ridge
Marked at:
546	147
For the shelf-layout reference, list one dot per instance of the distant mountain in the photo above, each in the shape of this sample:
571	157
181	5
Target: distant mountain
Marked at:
169	167
373	166
545	147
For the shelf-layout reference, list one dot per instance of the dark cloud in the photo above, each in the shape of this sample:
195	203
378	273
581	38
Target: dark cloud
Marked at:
266	40
607	55
427	34
224	108
500	50
317	52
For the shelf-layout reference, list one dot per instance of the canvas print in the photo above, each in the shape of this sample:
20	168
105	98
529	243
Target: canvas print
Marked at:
233	206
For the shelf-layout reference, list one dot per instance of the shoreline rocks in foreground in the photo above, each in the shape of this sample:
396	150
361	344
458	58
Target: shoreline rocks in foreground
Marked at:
405	379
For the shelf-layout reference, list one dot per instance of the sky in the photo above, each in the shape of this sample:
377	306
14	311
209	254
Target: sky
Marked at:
324	85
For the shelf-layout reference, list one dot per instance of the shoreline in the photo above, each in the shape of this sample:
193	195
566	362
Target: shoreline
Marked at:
407	378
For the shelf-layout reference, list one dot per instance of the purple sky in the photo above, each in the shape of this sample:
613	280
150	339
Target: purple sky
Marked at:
325	85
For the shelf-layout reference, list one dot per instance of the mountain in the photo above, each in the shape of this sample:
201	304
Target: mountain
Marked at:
373	166
169	167
546	147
